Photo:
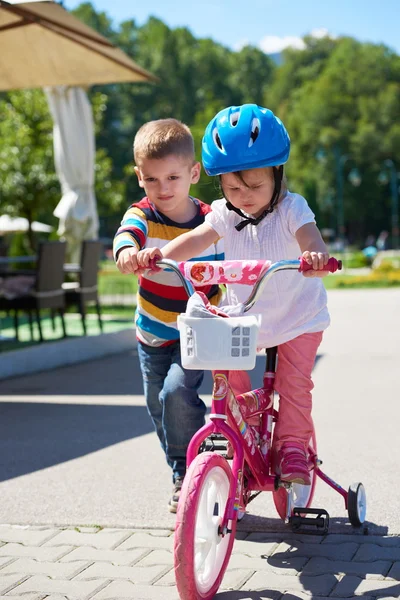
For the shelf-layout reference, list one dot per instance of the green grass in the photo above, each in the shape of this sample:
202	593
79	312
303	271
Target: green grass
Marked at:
115	319
375	279
112	282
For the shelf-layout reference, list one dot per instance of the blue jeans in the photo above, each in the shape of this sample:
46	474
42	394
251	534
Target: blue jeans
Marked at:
172	401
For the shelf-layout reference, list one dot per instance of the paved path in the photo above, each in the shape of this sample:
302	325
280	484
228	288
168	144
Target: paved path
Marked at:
113	564
77	449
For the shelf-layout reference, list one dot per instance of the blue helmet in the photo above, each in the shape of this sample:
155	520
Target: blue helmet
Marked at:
244	137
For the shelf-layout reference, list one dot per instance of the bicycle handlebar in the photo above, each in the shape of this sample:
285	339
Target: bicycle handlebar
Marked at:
249	272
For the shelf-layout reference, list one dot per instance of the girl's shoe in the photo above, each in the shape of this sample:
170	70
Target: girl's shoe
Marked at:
293	465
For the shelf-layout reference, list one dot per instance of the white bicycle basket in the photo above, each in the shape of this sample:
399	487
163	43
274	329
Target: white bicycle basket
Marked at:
219	343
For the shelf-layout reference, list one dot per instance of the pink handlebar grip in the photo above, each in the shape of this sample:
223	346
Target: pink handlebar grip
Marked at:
153	264
332	266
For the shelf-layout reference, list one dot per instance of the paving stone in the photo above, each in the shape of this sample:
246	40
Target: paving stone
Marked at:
168	578
320	585
320	565
394	572
234	579
55	570
306	596
145	540
115	557
156	557
51	597
283	537
371	552
286	566
74	590
45	553
155	532
126	589
354	586
133	574
29	536
255	548
5	560
106	539
30	597
344	551
241	535
244	595
380	540
10	581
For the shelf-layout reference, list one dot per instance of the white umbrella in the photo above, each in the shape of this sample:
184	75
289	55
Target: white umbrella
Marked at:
15	224
74	156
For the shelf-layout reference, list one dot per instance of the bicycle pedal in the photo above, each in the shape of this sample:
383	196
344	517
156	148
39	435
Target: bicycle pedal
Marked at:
319	523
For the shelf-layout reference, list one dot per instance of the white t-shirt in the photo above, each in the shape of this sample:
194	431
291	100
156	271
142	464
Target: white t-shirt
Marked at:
291	304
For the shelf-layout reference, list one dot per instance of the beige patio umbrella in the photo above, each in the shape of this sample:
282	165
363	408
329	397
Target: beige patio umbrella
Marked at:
42	45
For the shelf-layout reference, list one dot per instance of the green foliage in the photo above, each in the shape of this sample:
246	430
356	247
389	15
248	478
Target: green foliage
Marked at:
29	186
197	77
373	280
344	102
353	260
339	98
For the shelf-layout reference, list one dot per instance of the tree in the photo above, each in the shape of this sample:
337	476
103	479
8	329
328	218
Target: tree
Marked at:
28	182
350	108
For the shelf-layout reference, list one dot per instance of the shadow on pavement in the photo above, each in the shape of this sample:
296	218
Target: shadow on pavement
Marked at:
35	436
114	375
341	575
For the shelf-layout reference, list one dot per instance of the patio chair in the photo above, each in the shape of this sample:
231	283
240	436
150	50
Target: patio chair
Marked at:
46	292
79	293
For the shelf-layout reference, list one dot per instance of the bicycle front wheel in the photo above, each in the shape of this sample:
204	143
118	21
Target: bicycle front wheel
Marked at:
201	552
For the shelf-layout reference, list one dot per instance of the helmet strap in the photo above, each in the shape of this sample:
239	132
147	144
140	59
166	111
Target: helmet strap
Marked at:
278	175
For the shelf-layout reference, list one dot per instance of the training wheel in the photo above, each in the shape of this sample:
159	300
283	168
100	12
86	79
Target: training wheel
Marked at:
357	504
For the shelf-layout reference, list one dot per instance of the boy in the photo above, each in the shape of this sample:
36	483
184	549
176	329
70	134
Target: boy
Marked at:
165	167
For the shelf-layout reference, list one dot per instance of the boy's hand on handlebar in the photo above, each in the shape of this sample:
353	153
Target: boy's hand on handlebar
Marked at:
127	260
318	260
147	255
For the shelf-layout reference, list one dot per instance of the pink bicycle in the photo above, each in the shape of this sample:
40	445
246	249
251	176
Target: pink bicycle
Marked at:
229	459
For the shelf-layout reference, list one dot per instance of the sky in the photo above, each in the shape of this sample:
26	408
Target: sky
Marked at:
268	24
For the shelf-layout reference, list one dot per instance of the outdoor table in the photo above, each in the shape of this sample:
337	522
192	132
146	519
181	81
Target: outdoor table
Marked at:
7	260
10	260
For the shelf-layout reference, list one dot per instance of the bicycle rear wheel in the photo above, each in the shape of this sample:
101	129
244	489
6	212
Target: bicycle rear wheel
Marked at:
201	553
299	496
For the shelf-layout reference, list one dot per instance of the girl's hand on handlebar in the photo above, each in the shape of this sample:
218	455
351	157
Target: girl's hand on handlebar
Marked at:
146	256
318	260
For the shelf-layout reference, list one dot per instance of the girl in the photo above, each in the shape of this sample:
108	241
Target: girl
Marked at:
259	218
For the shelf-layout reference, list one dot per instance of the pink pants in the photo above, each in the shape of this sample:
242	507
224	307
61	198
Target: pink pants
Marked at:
293	384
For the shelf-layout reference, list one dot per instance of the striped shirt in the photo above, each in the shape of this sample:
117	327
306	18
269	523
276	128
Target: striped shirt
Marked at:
161	297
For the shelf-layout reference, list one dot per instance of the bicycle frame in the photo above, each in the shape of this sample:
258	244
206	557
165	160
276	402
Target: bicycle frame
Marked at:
231	415
229	419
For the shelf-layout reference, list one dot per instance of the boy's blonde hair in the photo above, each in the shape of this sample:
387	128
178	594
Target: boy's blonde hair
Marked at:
161	138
